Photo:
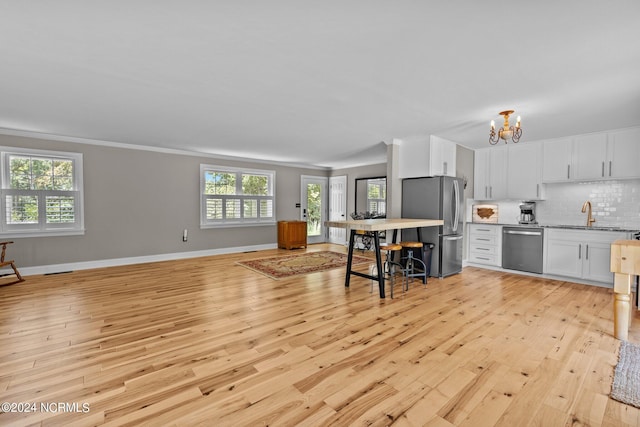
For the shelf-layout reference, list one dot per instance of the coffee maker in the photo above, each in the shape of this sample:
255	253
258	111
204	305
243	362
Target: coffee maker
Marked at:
527	213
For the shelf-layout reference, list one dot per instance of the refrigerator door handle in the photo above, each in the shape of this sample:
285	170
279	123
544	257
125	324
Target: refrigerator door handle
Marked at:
452	237
455	200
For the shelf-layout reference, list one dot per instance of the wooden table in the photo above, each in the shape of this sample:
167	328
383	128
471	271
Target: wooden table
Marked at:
375	226
625	264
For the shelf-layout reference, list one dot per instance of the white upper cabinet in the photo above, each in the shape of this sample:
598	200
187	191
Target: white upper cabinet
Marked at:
442	158
480	172
508	172
524	172
596	156
490	173
589	156
556	160
624	154
427	157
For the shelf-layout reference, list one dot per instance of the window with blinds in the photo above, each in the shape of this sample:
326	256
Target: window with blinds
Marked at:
41	192
232	196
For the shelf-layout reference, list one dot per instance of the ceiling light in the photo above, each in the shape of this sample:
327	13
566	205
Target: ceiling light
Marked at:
506	132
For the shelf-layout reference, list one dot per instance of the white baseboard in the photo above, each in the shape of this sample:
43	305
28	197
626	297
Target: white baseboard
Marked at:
61	268
542	276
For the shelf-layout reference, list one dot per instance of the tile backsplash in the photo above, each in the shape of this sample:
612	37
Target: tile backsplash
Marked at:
615	203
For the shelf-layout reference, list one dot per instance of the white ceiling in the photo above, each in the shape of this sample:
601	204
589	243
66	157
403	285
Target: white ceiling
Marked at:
320	82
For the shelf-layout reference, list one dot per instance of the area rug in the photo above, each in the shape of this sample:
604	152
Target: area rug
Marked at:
626	378
279	267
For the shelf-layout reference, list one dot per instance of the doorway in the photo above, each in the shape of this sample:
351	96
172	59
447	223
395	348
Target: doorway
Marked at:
314	207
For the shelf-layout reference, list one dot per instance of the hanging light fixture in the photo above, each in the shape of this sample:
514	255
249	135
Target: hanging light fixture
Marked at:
506	132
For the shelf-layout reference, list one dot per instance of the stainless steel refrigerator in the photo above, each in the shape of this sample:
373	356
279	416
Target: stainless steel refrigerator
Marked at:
437	197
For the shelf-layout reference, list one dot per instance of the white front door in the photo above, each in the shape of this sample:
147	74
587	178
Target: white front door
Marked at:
314	207
338	208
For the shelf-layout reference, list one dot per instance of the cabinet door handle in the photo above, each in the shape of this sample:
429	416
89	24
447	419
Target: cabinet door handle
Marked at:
538	191
491	192
580	251
486	192
609	167
587	253
444	168
568	171
603	169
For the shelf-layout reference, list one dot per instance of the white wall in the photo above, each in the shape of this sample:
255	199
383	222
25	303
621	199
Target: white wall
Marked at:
136	204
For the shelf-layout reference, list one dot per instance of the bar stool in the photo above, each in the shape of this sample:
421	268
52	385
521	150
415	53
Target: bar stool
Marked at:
411	262
389	266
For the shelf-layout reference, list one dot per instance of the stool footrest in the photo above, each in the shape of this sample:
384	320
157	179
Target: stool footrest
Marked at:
410	263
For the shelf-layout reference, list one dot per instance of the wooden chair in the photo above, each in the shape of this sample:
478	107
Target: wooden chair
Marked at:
4	263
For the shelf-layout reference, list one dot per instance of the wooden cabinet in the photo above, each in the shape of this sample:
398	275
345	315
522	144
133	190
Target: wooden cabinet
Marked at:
582	254
524	172
490	173
292	234
485	244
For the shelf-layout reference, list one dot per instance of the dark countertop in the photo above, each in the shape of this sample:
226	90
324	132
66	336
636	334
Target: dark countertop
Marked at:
566	227
593	227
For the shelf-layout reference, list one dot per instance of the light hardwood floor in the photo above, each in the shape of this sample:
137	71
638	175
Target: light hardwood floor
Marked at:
207	342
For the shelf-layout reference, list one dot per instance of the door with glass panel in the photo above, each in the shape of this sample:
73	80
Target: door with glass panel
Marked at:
313	207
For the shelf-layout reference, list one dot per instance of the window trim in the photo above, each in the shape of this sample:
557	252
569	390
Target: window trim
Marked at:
239	222
41	229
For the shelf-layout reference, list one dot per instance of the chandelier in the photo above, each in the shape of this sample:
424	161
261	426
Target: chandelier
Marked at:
506	132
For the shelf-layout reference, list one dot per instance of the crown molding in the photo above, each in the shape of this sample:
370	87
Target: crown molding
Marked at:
112	144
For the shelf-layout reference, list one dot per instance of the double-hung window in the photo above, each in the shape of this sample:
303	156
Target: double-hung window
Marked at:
41	192
232	196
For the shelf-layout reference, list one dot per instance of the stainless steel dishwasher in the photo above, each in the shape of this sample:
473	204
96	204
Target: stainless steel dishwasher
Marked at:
522	248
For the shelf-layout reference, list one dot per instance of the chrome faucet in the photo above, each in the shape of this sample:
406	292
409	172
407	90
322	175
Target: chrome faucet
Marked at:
586	207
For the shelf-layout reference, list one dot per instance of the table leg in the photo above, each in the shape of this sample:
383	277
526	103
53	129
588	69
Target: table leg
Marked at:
376	241
621	305
352	238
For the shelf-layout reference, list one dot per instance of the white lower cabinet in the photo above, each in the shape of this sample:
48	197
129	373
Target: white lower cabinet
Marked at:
562	257
485	244
581	254
597	265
